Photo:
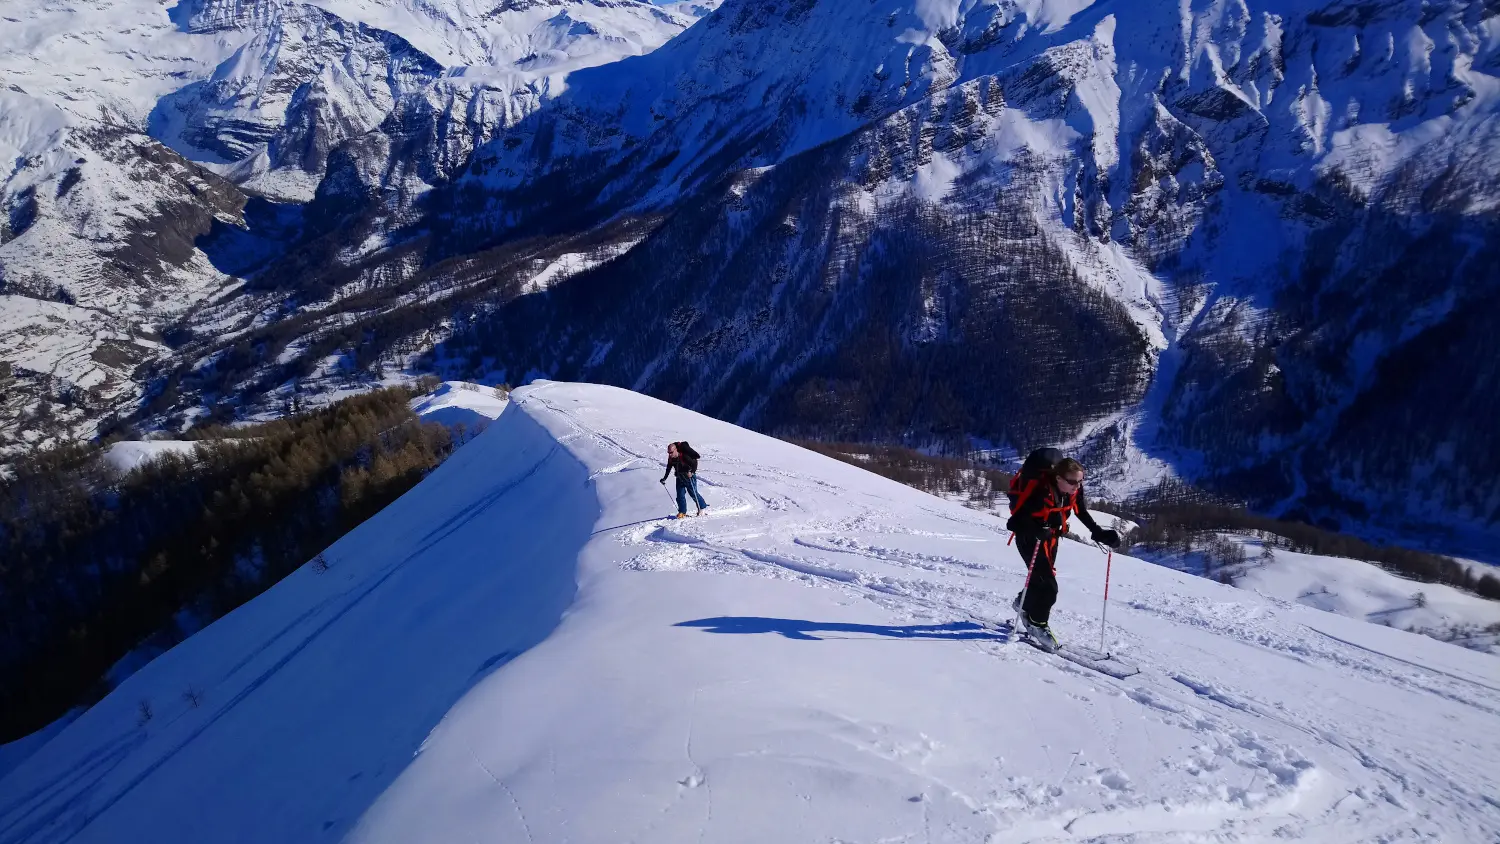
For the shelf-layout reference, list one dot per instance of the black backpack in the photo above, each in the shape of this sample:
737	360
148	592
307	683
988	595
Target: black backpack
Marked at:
686	450
1038	465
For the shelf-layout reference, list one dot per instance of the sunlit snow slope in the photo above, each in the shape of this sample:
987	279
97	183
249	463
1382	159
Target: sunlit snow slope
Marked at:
520	649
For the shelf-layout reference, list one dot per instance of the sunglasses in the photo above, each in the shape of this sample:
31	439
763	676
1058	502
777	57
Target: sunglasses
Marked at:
1071	481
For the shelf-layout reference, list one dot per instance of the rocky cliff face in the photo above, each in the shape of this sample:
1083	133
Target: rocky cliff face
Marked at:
304	83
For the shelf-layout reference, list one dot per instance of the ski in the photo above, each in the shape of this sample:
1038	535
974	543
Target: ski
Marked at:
1106	664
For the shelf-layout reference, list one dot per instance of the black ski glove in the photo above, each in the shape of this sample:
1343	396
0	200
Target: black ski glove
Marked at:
663	482
1108	537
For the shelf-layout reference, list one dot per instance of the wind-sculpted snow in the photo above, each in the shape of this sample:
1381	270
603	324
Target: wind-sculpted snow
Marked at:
523	648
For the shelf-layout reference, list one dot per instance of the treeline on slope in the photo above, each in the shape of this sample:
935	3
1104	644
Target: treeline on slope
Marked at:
93	562
980	487
396	304
778	305
1173	519
46	404
970	325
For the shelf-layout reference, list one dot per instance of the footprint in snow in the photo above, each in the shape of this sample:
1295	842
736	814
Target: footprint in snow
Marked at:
1114	779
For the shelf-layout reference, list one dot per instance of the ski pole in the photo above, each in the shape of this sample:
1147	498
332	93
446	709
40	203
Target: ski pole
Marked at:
1109	559
1025	587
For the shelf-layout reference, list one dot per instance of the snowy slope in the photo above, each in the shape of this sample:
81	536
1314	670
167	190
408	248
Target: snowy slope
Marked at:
127	455
1365	591
12	754
459	403
1354	588
534	36
521	649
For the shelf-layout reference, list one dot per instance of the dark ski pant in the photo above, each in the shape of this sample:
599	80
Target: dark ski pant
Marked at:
685	486
1041	593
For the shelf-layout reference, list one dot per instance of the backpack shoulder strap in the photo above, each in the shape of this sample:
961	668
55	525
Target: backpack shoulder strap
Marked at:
1024	493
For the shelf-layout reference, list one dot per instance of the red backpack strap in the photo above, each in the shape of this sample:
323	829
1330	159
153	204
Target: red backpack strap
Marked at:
1024	494
1069	509
1063	509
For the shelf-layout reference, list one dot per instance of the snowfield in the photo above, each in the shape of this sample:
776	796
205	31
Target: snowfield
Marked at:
1363	590
128	455
522	649
457	403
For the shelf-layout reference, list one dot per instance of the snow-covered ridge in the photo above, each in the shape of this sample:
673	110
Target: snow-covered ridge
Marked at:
456	403
521	647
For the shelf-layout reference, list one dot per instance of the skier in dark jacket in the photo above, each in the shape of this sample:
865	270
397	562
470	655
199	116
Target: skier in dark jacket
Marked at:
1039	518
682	459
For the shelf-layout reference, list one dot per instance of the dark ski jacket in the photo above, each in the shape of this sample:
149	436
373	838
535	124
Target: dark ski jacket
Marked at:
1045	508
685	464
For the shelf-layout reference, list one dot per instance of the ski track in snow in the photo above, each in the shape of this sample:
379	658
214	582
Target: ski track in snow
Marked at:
856	556
822	655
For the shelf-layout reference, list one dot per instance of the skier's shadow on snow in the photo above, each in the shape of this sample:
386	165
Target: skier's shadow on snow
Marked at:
793	628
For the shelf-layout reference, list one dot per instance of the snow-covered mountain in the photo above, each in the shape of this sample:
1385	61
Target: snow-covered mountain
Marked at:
1235	177
135	128
305	82
1230	240
521	648
869	224
1269	221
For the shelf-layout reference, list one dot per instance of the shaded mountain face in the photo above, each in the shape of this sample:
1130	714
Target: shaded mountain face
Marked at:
790	299
1242	241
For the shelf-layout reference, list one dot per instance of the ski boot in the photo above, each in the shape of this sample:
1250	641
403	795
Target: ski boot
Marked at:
1041	636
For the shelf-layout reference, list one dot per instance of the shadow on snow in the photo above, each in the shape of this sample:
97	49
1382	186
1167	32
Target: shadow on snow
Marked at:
793	628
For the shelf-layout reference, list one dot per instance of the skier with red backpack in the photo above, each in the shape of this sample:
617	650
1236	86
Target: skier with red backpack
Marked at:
1047	490
683	460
